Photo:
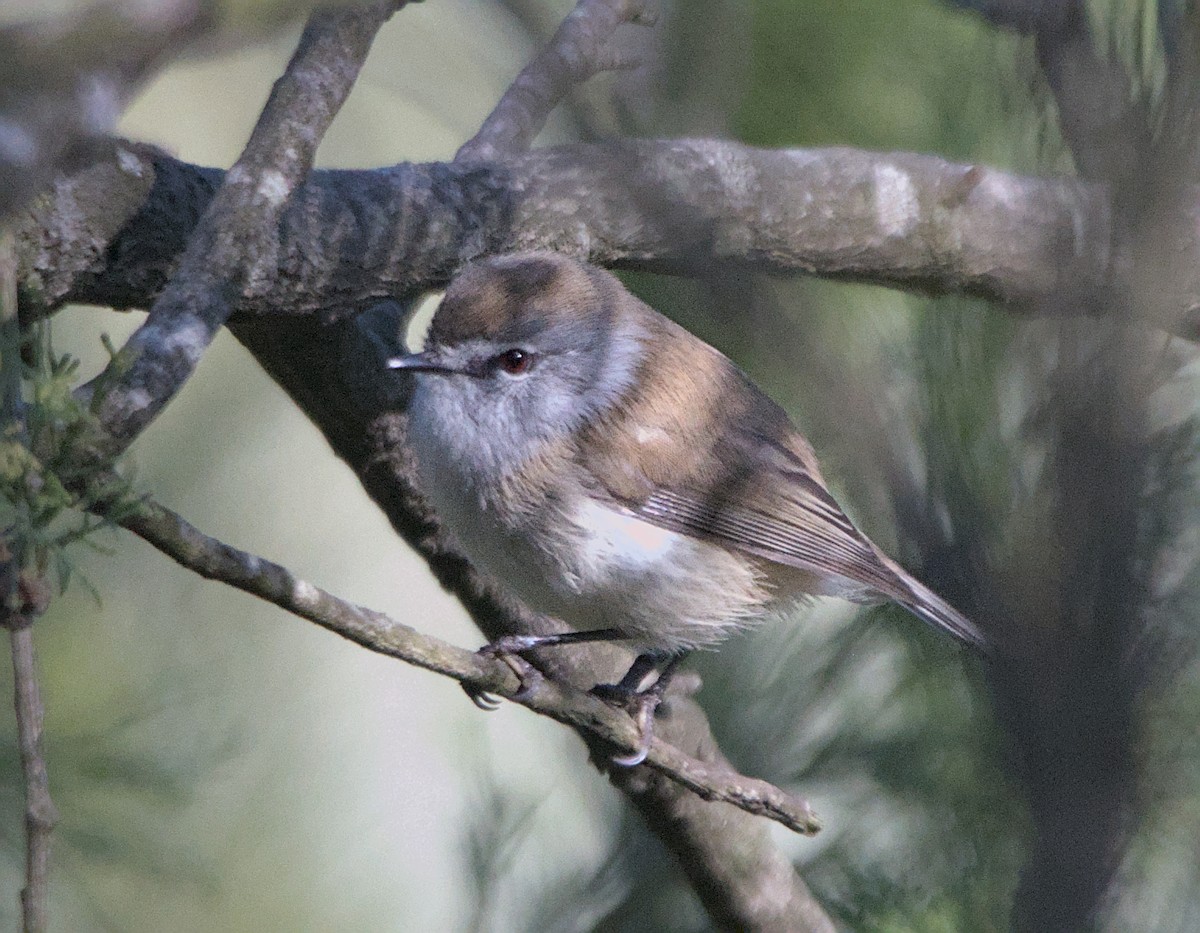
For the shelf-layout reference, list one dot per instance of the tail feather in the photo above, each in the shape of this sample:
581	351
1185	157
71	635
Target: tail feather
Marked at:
927	605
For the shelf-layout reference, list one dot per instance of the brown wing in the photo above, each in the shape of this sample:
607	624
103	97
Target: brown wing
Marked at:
750	481
770	505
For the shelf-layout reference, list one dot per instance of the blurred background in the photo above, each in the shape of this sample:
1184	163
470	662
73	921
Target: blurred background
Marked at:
220	765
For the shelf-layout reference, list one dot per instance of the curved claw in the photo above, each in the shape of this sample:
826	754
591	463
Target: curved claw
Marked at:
483	700
641	708
529	676
634	758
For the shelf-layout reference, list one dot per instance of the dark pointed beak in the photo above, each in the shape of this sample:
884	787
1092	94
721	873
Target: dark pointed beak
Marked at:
419	363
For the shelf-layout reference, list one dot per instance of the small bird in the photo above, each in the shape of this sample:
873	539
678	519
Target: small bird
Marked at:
615	471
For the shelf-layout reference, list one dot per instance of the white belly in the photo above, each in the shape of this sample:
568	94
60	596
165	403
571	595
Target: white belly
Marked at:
597	567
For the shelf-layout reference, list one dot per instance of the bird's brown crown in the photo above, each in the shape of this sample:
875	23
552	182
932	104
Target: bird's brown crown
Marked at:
516	296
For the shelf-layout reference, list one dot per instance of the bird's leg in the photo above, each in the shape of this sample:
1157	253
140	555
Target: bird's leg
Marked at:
641	704
627	694
508	648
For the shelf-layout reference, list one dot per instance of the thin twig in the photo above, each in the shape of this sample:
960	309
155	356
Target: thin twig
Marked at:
23	597
579	50
232	248
40	813
215	560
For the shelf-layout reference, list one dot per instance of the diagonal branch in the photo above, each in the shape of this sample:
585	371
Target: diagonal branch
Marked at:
217	561
579	50
232	249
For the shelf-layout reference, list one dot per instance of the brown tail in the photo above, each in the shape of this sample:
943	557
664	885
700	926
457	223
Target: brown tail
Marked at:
927	605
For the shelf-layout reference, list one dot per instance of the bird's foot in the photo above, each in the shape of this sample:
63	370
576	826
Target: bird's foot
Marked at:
507	648
640	704
641	708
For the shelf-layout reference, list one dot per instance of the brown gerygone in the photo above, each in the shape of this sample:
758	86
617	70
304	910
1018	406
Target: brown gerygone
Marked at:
615	471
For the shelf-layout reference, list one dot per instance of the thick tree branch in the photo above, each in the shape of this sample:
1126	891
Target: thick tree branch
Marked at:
231	249
579	50
217	561
351	237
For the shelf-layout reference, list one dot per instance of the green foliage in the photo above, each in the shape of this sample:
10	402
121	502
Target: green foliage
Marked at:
55	490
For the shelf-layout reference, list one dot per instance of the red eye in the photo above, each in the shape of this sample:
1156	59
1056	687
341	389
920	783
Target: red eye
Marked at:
514	361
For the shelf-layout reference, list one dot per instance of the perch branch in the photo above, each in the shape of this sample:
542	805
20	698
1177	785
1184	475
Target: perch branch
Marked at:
231	249
579	50
214	560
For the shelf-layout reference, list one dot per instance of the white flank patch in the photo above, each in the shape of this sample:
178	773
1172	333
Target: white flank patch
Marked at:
896	203
616	538
646	435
